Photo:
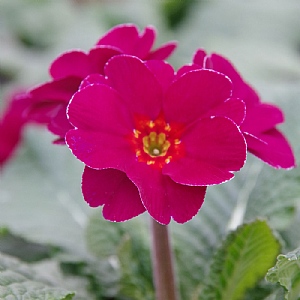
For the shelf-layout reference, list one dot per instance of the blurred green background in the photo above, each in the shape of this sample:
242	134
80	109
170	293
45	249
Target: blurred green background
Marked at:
40	196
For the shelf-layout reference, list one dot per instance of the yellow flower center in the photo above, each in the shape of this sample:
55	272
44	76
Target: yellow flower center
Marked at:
156	144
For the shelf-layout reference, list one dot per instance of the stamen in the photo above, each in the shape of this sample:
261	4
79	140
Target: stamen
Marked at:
136	133
151	124
161	138
152	136
156	143
146	141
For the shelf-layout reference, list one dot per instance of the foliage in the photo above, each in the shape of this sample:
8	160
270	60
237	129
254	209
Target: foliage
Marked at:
128	245
20	281
243	258
25	250
287	273
175	11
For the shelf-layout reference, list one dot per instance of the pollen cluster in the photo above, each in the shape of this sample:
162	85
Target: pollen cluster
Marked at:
155	142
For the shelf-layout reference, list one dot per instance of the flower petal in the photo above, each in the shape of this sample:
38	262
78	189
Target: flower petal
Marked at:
241	89
60	89
51	97
136	83
214	147
163	52
115	191
192	172
92	79
232	108
145	42
123	37
151	185
261	117
163	198
43	112
185	69
194	94
185	201
59	124
12	122
163	72
199	57
100	150
98	57
99	107
272	148
71	63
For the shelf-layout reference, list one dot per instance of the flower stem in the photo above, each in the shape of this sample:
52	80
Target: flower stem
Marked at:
162	263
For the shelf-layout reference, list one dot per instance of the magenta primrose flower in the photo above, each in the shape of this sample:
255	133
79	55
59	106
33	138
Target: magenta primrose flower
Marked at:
152	140
70	68
263	139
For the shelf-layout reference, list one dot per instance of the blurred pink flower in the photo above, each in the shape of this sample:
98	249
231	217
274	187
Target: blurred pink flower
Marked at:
153	141
263	139
67	71
12	121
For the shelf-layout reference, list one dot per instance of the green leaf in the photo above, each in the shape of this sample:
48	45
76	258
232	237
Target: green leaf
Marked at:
278	294
266	291
101	275
287	273
175	11
243	259
44	205
24	249
133	284
20	281
104	237
127	242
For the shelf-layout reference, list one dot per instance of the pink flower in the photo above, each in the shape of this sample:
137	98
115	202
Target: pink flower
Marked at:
153	141
263	139
67	71
12	122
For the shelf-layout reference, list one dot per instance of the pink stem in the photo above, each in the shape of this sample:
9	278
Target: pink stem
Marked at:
162	263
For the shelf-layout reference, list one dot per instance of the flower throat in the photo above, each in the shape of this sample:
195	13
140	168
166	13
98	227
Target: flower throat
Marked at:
155	142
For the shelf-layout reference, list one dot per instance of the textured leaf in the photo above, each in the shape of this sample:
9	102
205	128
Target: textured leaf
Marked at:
127	242
101	275
51	270
278	294
133	284
242	260
104	237
40	194
287	273
266	291
23	249
20	281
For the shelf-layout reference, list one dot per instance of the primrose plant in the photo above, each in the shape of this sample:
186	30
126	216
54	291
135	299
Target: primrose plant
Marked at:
152	139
